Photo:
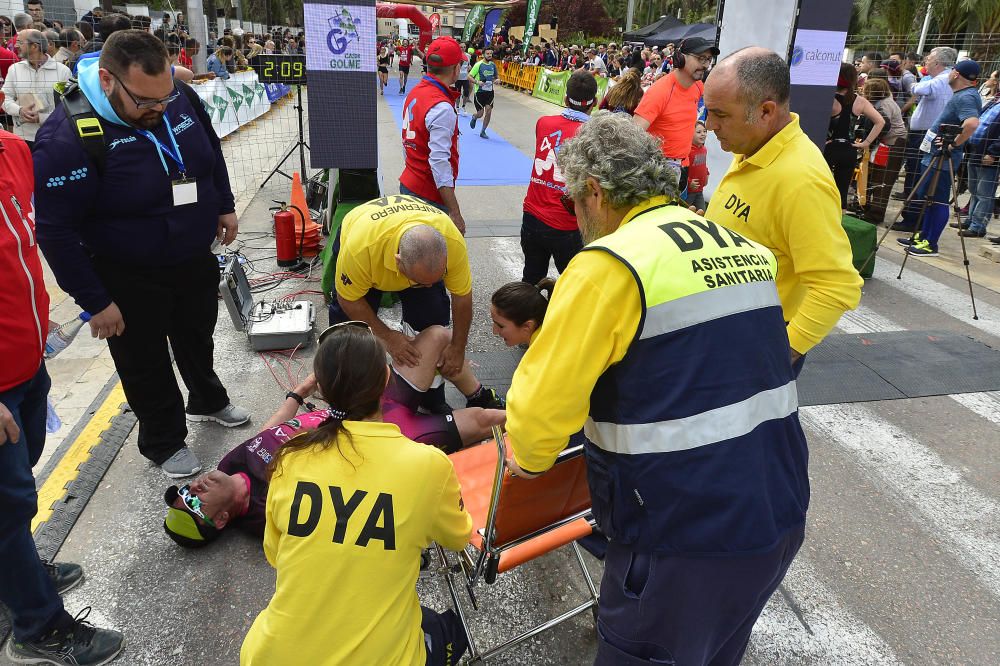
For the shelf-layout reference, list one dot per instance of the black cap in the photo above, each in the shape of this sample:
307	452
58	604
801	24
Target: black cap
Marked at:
696	45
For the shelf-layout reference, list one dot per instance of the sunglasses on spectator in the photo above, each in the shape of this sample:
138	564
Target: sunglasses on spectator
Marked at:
143	104
354	323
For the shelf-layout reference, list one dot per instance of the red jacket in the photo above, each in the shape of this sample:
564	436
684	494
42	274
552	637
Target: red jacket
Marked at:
417	173
547	184
24	303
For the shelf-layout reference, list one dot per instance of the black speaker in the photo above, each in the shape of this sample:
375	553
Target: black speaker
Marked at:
553	22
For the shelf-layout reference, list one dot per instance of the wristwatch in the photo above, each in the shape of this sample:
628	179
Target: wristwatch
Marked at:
298	398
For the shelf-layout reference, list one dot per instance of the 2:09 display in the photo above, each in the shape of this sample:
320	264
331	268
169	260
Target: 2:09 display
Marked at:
280	68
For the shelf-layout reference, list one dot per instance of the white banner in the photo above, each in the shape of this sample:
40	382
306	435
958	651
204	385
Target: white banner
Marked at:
816	57
233	102
340	38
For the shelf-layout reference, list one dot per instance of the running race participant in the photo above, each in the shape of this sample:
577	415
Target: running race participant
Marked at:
405	53
518	309
235	493
548	225
462	85
383	69
484	73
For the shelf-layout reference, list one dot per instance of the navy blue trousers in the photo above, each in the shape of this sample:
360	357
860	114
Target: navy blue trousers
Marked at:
688	611
422	306
25	586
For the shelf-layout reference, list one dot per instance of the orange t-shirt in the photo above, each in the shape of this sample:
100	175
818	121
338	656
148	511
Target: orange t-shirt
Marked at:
672	112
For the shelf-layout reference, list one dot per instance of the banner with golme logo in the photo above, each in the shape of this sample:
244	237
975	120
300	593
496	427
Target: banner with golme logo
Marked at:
340	64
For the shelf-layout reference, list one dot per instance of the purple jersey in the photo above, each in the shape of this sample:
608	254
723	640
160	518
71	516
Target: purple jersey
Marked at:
252	458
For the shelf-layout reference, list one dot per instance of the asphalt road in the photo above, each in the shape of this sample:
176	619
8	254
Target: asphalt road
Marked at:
901	563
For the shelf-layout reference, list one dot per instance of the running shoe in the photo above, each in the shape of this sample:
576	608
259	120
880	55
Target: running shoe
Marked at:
487	398
972	233
909	240
901	226
473	123
82	644
483	134
65	576
229	416
956	225
181	464
922	249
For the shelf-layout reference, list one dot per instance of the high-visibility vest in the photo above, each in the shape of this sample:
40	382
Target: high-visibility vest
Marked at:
695	442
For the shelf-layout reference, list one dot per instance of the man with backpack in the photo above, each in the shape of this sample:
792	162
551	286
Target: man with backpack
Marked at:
131	190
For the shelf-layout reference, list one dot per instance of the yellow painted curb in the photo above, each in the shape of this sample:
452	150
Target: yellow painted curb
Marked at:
54	488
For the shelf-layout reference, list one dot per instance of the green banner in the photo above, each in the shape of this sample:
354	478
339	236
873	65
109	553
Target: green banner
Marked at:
473	20
551	86
531	21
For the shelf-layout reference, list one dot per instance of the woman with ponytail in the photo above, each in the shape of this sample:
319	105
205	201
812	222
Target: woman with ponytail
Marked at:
518	309
351	506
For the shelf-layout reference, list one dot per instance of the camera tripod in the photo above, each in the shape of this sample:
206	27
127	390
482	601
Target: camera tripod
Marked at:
933	172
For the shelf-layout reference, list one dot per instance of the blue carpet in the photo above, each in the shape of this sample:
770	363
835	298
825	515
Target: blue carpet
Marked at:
490	161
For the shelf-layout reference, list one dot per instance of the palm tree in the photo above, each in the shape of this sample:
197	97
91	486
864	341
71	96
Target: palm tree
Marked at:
988	14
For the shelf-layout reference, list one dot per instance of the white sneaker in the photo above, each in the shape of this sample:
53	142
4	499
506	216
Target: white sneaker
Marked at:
229	416
181	464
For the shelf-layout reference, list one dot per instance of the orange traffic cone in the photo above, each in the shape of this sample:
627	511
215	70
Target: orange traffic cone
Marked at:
313	231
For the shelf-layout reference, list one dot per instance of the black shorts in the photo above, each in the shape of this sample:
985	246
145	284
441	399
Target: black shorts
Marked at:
463	86
399	406
483	99
404	69
383	69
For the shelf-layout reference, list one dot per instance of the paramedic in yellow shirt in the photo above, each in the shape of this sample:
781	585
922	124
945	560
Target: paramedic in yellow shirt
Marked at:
403	244
780	193
350	507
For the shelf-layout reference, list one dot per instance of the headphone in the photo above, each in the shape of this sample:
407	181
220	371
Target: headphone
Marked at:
679	56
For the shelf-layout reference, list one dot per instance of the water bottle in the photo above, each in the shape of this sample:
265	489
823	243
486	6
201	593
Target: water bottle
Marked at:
52	420
60	336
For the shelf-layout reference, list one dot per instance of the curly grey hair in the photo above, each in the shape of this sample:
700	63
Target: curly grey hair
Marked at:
626	161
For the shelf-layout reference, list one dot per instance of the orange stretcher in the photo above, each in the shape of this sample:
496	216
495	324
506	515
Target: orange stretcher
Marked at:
516	520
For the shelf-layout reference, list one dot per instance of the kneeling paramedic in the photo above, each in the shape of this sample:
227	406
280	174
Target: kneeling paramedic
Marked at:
671	329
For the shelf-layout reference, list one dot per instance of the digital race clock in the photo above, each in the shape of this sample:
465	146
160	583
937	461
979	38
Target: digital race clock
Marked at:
280	68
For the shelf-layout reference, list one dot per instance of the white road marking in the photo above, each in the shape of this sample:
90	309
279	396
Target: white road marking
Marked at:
964	518
835	635
507	251
986	405
865	320
941	297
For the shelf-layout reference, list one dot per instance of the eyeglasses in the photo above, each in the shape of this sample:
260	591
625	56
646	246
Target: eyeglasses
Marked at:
705	60
568	203
193	504
353	323
146	103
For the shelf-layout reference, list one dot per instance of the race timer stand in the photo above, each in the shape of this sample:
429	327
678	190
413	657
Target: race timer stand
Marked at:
948	134
289	70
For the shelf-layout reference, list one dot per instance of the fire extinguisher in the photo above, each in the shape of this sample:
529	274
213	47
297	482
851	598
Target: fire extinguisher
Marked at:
284	235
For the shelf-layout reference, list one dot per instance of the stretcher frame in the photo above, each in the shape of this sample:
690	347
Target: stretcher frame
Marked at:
485	563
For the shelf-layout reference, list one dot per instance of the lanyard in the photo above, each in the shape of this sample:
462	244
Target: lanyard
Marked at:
434	82
174	154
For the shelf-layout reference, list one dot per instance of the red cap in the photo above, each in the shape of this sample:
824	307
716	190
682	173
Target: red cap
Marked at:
444	52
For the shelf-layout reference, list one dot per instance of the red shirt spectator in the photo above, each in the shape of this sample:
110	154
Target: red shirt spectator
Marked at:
184	60
7	58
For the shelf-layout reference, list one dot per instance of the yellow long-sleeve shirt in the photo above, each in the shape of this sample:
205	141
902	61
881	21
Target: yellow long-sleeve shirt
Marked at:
589	325
784	197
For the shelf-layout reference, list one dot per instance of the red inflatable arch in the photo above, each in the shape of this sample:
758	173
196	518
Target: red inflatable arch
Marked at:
409	12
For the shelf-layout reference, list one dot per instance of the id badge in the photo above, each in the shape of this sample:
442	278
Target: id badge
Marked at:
185	192
928	143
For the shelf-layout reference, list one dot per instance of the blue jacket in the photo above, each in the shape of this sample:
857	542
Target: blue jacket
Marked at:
217	66
990	141
125	214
